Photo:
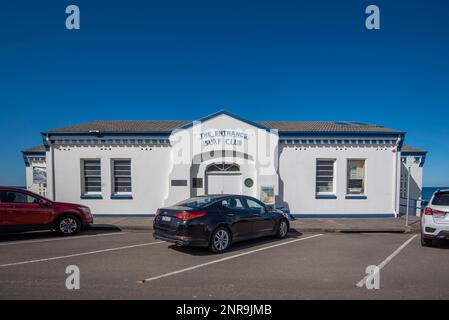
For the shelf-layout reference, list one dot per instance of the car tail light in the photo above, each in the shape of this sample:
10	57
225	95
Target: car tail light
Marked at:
431	212
183	237
184	216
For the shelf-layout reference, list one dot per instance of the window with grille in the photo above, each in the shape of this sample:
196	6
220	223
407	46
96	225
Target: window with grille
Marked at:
91	176
325	177
121	176
221	167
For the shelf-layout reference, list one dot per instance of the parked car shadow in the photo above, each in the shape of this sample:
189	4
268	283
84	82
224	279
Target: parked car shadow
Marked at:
238	246
44	235
440	244
102	227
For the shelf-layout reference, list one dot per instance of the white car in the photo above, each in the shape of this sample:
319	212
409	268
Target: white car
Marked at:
435	218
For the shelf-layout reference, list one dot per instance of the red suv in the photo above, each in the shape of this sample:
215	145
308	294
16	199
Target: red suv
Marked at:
22	210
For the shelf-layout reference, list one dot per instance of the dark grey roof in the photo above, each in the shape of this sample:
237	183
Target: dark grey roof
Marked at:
122	126
325	126
40	148
406	148
142	126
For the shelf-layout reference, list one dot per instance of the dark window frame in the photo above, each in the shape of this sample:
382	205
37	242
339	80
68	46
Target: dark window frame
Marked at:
95	185
117	173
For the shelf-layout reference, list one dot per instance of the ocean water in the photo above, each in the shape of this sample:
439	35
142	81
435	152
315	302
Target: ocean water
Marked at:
428	191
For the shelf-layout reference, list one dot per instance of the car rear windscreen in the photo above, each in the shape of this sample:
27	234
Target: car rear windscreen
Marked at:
196	202
441	199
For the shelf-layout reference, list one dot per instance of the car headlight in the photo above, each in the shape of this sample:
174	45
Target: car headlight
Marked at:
85	210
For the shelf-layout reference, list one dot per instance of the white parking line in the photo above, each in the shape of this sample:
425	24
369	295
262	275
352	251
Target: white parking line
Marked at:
224	259
362	282
79	254
9	243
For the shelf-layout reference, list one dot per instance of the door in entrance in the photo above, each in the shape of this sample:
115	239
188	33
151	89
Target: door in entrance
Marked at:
224	184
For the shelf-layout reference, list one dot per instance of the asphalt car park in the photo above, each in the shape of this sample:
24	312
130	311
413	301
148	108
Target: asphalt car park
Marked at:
133	265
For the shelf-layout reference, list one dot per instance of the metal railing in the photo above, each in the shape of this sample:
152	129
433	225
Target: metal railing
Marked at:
419	204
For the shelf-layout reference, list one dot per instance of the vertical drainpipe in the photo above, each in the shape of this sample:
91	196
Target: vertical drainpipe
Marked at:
396	172
395	192
53	171
52	152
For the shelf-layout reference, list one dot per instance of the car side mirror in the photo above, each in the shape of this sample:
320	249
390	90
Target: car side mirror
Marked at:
424	203
44	203
269	207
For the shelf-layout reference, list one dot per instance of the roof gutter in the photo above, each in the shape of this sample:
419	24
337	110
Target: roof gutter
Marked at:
340	133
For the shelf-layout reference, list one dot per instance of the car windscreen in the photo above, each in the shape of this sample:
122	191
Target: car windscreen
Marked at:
197	202
441	199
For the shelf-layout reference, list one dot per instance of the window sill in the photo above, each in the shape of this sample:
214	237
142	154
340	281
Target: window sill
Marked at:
325	196
91	196
121	196
356	197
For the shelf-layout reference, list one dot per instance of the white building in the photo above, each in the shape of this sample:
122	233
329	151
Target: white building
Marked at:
36	170
412	163
333	169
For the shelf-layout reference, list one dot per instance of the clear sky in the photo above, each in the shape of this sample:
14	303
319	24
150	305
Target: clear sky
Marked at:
261	59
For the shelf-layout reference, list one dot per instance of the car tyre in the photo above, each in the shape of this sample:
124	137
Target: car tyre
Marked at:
426	242
220	240
68	225
282	230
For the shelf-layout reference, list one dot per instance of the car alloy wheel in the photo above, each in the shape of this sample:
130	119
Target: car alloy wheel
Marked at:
221	240
283	229
68	225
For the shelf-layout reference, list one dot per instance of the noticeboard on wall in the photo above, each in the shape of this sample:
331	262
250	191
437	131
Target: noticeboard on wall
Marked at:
39	175
267	195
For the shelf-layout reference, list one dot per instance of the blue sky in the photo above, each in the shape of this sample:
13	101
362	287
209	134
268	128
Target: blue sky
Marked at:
263	60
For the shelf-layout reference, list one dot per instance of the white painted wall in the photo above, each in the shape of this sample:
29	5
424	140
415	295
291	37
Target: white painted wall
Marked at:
297	169
149	169
291	171
416	181
262	168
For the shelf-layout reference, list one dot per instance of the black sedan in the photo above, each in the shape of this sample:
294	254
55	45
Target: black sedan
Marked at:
217	221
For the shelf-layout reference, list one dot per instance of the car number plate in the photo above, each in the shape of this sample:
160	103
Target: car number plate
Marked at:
165	218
